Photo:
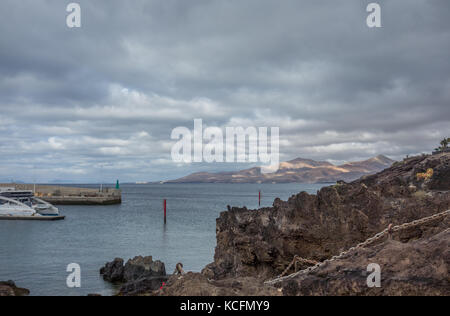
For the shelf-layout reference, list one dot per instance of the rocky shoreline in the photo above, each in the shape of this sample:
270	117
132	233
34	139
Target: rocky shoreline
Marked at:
254	246
263	242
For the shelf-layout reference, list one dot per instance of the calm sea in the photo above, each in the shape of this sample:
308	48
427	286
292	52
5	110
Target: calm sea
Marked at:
35	254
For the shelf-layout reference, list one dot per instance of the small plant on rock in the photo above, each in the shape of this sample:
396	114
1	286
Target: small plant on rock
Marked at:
425	175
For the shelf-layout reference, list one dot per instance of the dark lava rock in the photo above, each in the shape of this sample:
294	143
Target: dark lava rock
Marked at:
441	175
143	267
143	285
261	243
9	288
113	271
138	275
416	268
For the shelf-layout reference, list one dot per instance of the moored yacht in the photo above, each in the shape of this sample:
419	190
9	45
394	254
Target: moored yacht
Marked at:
27	198
44	208
13	208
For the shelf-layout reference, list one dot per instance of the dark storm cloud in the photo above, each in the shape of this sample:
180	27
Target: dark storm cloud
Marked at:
101	101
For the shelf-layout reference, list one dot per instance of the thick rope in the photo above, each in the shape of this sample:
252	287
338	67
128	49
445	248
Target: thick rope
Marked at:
387	231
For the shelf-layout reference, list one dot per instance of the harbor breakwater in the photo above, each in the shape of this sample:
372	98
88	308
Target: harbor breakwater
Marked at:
64	195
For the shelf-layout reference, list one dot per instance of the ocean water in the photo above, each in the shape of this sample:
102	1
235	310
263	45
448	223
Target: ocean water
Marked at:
36	254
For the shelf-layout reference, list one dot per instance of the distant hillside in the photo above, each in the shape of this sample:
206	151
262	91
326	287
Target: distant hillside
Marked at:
297	170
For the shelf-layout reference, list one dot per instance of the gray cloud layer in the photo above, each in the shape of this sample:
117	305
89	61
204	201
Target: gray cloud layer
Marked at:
100	102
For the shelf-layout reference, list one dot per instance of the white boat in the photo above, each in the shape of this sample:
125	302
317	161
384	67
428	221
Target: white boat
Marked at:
10	207
44	208
28	199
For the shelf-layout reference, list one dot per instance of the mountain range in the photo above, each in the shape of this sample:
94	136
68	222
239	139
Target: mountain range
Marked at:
298	170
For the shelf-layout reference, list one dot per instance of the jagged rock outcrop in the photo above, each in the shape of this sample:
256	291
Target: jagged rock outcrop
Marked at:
9	288
143	267
113	271
261	243
138	275
416	268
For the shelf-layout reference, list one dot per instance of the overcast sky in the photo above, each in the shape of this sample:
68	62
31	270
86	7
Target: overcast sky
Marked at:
99	102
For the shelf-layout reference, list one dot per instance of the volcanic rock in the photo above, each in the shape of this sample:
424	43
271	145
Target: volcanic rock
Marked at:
9	288
113	271
417	268
261	243
138	275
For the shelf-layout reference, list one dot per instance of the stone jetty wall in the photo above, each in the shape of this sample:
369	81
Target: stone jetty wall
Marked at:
63	195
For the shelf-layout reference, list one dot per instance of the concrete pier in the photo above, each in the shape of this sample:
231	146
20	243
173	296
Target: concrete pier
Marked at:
62	195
